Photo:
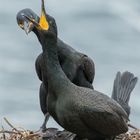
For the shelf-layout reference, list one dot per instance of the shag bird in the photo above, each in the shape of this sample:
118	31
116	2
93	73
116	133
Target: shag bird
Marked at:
83	111
78	67
85	70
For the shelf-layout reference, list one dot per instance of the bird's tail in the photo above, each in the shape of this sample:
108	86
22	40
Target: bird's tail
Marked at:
123	85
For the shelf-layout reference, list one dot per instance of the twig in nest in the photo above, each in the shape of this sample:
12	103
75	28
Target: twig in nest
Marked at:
130	125
18	132
9	132
10	124
32	135
4	137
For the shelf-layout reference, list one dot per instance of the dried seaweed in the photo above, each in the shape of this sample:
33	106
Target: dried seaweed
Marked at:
15	133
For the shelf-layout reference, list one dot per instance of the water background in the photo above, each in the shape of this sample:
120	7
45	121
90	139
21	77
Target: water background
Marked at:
108	31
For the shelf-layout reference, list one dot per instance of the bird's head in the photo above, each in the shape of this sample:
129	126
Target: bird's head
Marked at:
44	25
23	22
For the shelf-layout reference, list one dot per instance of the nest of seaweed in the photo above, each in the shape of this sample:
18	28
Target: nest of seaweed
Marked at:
15	133
132	135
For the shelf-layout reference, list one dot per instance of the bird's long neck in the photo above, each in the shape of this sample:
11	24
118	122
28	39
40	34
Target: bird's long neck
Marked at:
57	80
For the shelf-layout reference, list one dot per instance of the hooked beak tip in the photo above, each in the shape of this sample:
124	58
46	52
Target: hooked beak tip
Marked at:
27	32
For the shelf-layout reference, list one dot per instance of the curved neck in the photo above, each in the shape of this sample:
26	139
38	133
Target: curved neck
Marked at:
57	80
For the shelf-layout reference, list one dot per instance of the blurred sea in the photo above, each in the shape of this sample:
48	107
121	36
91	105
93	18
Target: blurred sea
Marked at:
108	31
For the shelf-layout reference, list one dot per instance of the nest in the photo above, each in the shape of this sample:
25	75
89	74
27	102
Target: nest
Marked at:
17	133
135	135
22	134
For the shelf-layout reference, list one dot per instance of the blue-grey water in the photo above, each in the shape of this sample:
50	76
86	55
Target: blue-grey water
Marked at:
106	30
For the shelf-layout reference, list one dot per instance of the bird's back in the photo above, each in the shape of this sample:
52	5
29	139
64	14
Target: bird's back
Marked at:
78	67
93	112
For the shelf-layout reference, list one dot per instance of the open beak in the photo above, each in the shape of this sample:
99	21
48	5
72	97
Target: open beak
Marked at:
33	22
43	23
25	24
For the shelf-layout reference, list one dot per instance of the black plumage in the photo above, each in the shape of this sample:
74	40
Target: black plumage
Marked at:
83	76
78	67
123	85
88	113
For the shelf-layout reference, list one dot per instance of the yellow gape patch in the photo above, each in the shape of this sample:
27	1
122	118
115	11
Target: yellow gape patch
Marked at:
43	22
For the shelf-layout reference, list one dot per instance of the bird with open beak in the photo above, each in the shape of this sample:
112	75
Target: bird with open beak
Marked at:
28	25
78	67
113	113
